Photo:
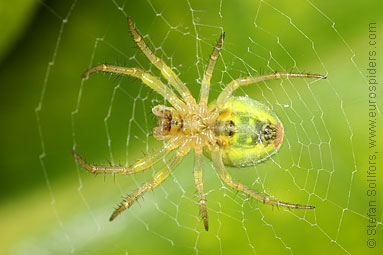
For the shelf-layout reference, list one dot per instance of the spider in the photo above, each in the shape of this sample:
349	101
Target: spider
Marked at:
234	131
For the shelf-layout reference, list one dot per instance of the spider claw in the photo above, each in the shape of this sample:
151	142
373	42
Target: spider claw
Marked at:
85	76
117	211
206	224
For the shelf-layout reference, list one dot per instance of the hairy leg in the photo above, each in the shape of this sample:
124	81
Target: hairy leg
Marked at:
158	178
140	165
199	184
166	71
151	81
226	178
205	87
244	81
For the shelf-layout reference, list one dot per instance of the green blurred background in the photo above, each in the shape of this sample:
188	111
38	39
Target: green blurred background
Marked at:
51	206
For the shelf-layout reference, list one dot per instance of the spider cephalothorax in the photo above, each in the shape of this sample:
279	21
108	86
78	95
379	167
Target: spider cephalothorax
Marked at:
234	131
173	123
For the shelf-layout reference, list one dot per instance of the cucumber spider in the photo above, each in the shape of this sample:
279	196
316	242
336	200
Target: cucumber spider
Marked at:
234	131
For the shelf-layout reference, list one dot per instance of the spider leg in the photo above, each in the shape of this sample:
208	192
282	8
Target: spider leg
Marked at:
226	178
158	178
244	81
140	165
166	71
199	184
204	94
146	78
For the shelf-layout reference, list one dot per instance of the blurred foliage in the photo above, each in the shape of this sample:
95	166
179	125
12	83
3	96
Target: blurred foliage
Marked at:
50	206
15	16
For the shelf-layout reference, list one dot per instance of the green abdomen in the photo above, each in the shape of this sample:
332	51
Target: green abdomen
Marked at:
248	132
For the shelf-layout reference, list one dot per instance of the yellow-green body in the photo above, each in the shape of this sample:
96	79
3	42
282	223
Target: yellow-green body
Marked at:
249	132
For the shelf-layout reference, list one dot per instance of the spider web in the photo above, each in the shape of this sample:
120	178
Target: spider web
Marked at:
322	161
